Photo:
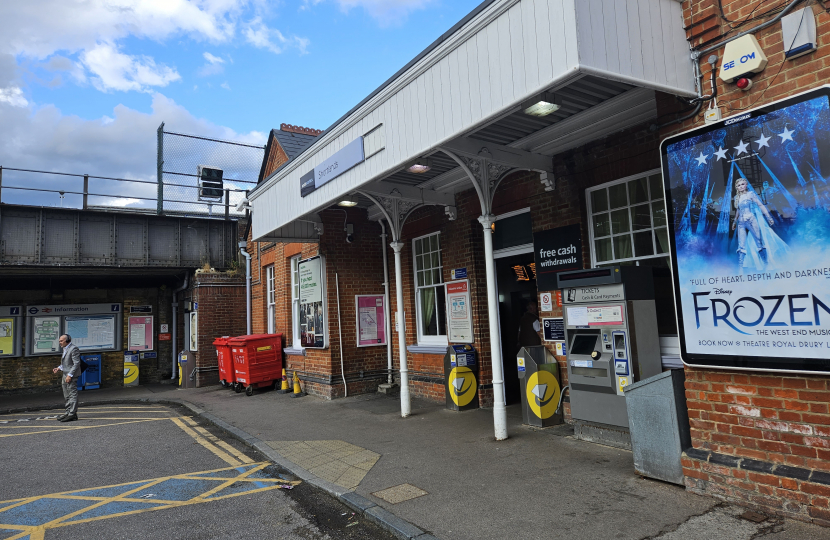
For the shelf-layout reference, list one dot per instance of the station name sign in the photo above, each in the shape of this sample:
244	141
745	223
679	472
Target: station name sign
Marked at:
750	237
342	160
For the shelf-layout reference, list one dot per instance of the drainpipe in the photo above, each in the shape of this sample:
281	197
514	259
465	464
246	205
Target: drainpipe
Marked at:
387	329
499	408
175	326
242	245
340	334
405	406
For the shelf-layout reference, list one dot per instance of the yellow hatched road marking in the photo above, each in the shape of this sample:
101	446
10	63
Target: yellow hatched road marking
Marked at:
23	425
38	532
80	427
224	456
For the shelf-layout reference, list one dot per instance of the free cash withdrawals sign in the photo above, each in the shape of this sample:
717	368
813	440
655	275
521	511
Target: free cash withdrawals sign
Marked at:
749	231
556	250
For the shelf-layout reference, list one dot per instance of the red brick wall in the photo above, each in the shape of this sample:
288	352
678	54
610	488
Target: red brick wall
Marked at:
776	424
221	312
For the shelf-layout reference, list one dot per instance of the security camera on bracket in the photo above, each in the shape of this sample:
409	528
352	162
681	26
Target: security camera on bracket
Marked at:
349	230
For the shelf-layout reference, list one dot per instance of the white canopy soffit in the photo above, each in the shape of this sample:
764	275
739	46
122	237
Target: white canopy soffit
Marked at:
601	59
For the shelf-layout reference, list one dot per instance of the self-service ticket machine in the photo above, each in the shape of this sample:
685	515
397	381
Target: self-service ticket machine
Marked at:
461	374
611	330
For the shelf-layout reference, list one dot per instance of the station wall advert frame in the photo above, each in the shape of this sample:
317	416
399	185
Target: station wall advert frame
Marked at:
748	213
370	314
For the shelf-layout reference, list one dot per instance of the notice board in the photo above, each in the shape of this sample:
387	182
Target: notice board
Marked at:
89	333
371	319
459	312
140	333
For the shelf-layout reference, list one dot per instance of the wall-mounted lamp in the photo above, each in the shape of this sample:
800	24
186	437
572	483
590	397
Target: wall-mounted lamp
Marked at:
347	203
542	105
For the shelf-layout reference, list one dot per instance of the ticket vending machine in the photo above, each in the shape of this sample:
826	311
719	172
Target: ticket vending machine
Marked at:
461	374
611	331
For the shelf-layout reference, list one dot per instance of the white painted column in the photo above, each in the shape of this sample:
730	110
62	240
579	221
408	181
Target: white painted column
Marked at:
405	405
499	409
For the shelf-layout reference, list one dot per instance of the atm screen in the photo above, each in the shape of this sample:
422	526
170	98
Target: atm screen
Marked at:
583	344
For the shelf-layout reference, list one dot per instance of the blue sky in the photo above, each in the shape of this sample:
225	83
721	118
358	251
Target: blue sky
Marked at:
84	83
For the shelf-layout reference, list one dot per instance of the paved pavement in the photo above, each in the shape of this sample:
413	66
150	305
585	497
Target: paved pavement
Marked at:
442	472
152	470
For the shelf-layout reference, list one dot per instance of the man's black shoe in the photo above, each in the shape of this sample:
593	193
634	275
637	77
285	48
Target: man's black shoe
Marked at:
69	418
61	417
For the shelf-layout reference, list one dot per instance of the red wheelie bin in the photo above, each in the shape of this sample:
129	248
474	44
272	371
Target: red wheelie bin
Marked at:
227	377
257	361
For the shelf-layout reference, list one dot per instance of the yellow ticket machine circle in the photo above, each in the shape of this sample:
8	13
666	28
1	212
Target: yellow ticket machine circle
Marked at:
130	373
543	394
462	385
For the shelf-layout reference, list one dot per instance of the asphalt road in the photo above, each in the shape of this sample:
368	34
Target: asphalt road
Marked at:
144	471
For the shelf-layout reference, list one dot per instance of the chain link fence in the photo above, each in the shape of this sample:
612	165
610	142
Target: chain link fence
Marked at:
181	188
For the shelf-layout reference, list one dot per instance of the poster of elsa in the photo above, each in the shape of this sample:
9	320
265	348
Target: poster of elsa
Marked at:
752	220
748	216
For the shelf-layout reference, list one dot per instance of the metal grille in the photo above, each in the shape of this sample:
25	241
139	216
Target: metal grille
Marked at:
179	159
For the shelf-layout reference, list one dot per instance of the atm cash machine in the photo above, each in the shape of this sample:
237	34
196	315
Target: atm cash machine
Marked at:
612	341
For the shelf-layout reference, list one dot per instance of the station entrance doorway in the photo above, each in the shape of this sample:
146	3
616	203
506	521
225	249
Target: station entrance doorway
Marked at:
516	282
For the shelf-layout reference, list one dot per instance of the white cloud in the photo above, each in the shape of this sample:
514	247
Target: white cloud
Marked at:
114	70
121	145
38	29
213	59
122	202
13	96
259	35
225	85
387	12
94	30
214	65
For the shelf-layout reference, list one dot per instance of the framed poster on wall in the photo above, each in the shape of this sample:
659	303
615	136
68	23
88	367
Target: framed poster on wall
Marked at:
140	333
459	313
371	319
748	214
312	309
45	334
193	331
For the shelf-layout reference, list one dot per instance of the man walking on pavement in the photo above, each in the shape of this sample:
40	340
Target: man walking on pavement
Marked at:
70	368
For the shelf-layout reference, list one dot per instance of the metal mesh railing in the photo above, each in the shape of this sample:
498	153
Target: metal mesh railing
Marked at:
176	190
179	158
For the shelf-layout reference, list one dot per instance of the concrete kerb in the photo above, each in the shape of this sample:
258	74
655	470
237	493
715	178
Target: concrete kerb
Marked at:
386	519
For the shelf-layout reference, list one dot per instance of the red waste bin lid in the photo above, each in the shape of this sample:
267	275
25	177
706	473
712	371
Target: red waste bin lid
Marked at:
254	337
222	340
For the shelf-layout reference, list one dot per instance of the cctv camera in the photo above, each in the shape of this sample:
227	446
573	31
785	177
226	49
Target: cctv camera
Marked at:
349	230
349	238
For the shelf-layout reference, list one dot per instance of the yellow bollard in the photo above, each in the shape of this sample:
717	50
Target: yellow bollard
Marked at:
297	391
284	387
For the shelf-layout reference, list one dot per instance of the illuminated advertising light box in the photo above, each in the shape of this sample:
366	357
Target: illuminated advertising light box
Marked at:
748	202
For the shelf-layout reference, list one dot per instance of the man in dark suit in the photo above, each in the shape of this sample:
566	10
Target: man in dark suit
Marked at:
70	369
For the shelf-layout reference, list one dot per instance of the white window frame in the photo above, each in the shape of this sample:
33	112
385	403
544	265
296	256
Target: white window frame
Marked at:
270	298
422	339
296	343
588	203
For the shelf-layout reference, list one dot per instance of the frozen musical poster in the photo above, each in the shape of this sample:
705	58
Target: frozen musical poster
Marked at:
748	202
